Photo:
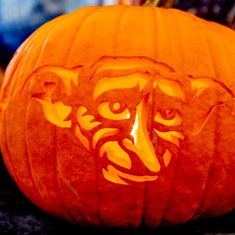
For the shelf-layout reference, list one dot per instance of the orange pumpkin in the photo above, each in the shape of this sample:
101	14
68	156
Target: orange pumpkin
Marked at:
122	116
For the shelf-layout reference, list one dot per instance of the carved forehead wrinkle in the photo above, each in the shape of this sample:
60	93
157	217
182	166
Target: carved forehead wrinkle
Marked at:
132	63
107	63
120	82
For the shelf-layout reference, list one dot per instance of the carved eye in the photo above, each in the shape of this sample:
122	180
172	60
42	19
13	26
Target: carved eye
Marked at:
168	117
114	110
169	113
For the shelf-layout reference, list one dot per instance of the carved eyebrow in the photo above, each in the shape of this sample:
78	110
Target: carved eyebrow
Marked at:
170	87
131	63
120	82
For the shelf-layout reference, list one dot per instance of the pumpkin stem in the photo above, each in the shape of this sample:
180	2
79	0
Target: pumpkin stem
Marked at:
232	25
159	3
126	2
153	3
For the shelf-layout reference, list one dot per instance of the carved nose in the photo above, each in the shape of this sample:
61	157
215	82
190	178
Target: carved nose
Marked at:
142	145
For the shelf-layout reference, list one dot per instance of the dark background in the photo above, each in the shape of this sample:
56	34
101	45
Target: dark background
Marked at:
17	215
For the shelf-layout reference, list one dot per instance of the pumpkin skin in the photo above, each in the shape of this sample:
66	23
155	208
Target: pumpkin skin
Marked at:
159	80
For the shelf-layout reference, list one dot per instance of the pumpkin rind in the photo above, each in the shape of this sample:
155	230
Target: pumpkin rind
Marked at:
54	169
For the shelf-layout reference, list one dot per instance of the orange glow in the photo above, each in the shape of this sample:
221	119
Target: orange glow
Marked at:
81	137
86	121
122	82
167	157
176	121
104	111
200	84
142	145
116	154
104	132
116	106
56	112
67	76
171	88
172	136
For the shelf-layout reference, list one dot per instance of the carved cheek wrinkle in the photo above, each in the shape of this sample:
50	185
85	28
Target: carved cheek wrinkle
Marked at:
171	136
115	176
102	133
116	154
56	112
86	121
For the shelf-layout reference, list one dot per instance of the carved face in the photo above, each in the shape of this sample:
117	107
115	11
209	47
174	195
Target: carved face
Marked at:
129	112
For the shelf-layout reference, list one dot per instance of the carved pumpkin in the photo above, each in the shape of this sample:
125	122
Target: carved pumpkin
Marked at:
123	116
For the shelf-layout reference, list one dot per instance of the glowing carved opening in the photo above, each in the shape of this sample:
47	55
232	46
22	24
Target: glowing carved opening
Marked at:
81	137
114	175
175	121
116	112
86	121
146	73
122	82
171	88
167	157
171	136
56	112
104	132
200	84
142	145
116	154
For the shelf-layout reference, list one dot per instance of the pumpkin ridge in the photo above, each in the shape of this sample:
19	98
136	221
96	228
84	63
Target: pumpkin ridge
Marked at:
12	74
81	23
146	185
145	193
70	214
30	45
44	43
27	99
157	13
7	160
155	31
197	212
99	214
96	158
215	64
11	165
173	178
27	152
209	173
118	27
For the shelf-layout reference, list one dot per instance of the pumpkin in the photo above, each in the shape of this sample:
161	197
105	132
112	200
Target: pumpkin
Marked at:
123	116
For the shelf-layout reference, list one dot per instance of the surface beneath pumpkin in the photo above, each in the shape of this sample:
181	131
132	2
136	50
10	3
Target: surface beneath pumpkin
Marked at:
18	216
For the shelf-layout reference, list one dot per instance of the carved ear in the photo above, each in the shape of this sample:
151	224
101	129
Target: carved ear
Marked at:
199	85
48	79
